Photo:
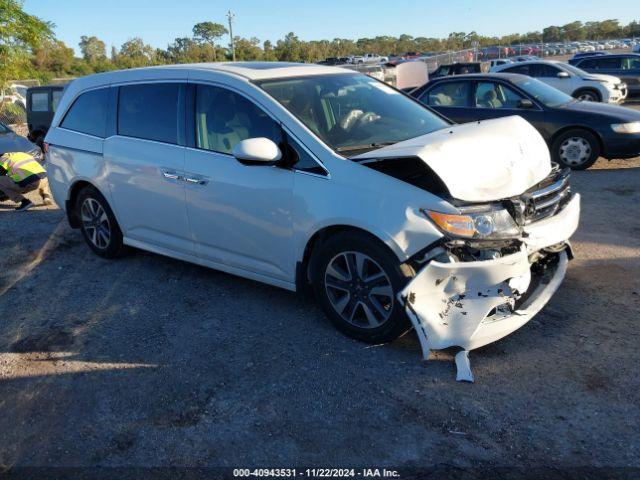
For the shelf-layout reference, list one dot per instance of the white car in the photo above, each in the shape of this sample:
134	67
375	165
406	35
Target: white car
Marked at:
304	175
572	80
369	58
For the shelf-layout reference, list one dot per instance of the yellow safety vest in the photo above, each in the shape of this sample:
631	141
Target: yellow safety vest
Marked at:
20	166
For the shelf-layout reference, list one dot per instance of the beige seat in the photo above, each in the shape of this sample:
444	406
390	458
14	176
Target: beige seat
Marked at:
490	100
442	99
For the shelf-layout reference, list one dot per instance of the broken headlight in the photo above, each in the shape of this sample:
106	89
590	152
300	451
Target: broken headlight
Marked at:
481	222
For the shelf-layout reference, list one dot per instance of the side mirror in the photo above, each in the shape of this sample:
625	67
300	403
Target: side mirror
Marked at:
525	103
257	151
563	75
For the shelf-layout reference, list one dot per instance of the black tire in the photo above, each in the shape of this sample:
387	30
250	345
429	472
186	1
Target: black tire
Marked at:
576	139
588	94
39	141
93	225
380	257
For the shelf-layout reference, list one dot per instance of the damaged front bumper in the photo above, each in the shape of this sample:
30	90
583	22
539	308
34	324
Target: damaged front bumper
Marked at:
469	304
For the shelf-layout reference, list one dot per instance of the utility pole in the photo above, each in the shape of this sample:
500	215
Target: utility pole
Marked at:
231	16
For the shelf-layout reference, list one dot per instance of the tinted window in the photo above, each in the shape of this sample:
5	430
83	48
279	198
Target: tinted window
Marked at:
224	118
149	111
521	69
39	102
589	63
88	113
631	63
496	95
56	95
606	63
545	71
447	94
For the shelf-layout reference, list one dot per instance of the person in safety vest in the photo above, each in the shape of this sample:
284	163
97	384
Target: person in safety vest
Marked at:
20	173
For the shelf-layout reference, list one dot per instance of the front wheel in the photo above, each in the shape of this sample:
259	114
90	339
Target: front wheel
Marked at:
576	149
356	280
587	96
98	224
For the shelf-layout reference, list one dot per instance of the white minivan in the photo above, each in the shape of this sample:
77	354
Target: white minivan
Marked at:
309	176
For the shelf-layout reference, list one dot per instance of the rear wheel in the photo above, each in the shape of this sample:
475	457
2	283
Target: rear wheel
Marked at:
356	280
576	149
98	224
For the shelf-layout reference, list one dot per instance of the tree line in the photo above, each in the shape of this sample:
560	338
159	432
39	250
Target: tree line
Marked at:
29	49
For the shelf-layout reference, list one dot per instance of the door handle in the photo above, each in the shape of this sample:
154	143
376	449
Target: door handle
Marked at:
196	180
171	175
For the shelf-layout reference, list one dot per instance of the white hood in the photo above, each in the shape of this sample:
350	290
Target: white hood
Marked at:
480	161
606	78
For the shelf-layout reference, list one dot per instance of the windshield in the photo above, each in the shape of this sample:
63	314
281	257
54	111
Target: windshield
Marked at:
3	128
353	113
542	92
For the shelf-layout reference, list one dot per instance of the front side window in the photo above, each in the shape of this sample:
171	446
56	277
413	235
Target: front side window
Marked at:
447	94
88	114
352	112
40	102
545	71
496	95
225	118
149	111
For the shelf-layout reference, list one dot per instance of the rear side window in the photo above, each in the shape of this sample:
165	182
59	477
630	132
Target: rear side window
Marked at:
88	113
56	95
39	102
447	94
600	63
149	111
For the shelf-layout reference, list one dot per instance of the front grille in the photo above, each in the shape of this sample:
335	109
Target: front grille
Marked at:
544	199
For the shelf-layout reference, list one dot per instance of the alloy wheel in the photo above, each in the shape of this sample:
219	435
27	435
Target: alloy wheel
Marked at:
587	97
575	151
95	223
359	289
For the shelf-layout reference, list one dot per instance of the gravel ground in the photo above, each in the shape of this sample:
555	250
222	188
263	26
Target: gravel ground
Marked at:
148	361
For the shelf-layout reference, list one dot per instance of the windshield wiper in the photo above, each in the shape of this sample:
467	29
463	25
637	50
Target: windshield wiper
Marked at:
367	146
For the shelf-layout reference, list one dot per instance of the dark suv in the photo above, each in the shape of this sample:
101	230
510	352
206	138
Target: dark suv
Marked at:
626	66
41	105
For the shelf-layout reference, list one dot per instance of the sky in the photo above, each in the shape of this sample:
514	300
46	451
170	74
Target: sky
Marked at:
159	22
